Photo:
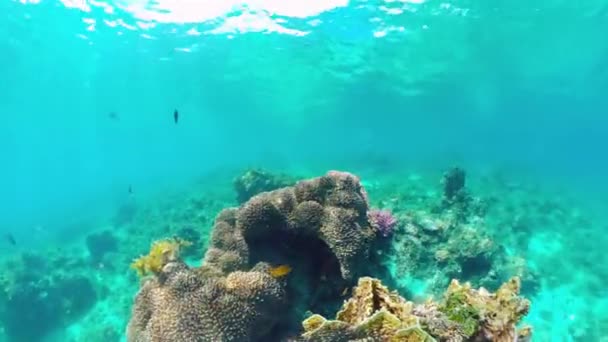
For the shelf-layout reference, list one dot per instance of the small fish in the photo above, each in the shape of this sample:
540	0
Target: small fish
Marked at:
175	116
113	116
11	239
130	190
279	271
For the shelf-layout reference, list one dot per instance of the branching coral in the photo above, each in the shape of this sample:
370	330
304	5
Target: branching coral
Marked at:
383	221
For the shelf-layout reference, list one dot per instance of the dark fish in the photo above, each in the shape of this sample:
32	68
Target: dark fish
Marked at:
175	116
113	116
11	239
130	190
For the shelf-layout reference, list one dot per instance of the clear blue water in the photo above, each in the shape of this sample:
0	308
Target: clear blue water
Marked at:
515	85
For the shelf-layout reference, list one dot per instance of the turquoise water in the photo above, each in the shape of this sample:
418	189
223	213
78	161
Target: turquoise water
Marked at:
389	90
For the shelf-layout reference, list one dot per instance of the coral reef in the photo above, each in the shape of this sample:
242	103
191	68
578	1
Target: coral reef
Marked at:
441	241
255	181
512	227
183	303
244	282
450	240
375	314
35	300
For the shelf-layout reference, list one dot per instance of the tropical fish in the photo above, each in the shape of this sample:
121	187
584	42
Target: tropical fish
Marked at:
175	116
279	271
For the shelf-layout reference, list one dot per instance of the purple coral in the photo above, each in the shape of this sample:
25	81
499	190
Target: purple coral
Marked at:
382	220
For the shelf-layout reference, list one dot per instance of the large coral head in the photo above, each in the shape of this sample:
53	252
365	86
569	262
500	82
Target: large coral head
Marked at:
383	221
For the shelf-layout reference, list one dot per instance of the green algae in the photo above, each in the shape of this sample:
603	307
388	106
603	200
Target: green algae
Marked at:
457	310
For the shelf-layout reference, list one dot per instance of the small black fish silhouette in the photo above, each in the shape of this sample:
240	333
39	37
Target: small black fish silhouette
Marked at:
130	190
11	239
113	116
175	116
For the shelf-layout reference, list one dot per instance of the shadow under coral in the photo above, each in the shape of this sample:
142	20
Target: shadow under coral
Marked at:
314	284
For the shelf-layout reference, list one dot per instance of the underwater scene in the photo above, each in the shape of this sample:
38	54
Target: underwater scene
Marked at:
335	170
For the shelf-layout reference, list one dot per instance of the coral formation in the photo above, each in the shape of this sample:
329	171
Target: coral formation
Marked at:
486	316
450	240
255	181
383	221
161	253
375	314
331	208
441	241
36	300
453	182
182	305
225	299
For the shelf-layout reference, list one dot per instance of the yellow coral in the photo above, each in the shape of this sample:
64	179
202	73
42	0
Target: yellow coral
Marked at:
371	296
495	313
373	312
313	322
279	271
161	253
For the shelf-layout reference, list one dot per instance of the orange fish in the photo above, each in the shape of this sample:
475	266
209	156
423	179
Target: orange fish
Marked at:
279	271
